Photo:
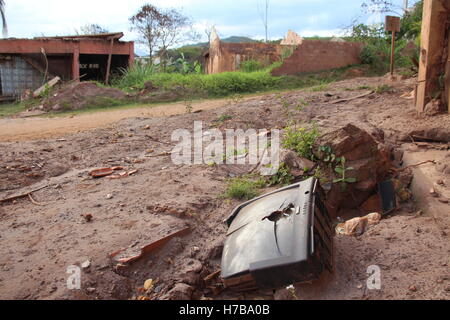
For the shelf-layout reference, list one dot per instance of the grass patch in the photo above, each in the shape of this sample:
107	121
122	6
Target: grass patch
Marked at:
322	87
383	89
244	188
11	109
301	140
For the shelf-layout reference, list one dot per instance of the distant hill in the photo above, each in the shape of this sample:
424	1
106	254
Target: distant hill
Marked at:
232	39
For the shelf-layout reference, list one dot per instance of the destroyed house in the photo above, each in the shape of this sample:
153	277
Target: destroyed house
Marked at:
26	64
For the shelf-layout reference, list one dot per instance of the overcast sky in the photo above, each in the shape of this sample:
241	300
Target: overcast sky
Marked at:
30	18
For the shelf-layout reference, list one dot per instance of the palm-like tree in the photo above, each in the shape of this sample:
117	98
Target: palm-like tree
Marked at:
2	12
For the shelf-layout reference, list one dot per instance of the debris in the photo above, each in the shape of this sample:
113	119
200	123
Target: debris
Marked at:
212	276
181	291
46	86
86	265
403	193
35	202
21	195
148	284
357	226
388	199
88	217
297	165
434	193
262	228
99	173
122	257
415	165
353	98
433	107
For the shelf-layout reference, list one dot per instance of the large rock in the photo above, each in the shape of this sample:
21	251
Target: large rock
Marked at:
369	158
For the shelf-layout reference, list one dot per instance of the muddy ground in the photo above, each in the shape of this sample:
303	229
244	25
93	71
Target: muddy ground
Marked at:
43	235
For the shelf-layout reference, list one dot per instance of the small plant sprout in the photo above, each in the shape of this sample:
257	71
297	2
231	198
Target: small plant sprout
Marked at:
342	170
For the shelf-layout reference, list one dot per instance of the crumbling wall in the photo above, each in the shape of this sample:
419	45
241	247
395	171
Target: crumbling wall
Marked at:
319	55
225	57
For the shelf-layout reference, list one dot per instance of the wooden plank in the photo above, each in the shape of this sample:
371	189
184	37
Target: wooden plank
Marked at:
392	24
431	49
447	78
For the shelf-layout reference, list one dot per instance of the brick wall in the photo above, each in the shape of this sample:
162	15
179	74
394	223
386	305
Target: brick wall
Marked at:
225	57
319	55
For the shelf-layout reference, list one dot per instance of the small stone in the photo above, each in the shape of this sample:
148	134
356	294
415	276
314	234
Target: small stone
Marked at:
86	265
413	288
433	193
90	290
148	284
359	286
440	182
109	196
88	217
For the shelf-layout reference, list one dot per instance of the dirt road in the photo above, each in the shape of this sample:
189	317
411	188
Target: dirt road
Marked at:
22	129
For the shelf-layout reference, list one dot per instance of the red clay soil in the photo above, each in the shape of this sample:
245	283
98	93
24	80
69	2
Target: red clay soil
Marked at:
42	238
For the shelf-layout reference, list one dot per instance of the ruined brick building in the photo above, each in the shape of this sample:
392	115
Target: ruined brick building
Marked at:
297	55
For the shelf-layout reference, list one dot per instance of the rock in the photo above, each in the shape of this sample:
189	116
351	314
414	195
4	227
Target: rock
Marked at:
412	288
357	226
86	265
297	165
369	158
434	193
88	217
181	291
148	284
433	107
90	290
372	204
109	196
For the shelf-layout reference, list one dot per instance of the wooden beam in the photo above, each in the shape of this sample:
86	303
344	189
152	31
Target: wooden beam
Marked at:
431	50
447	78
108	66
76	64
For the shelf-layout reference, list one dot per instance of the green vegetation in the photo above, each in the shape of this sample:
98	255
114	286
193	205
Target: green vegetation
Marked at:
11	109
251	66
342	171
301	140
377	42
282	177
244	188
383	89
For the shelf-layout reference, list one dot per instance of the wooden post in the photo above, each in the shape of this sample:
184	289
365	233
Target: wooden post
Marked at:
431	50
392	24
108	66
76	63
393	53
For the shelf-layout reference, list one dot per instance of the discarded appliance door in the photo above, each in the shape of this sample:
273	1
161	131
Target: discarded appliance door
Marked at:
278	239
